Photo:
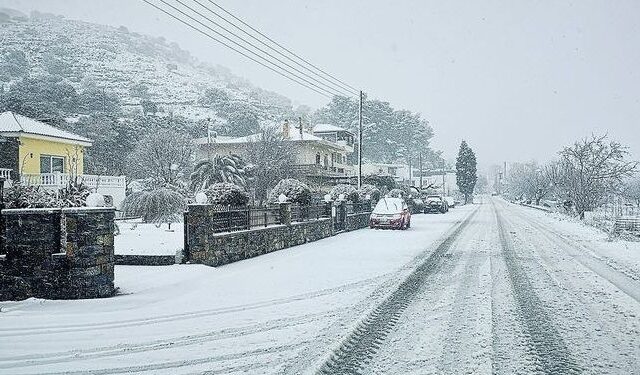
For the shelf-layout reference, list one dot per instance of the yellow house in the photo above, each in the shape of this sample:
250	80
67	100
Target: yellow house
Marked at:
31	147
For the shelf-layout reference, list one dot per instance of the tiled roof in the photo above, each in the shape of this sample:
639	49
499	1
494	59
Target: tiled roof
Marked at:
14	123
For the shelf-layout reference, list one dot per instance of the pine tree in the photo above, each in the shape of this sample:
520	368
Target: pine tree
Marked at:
466	171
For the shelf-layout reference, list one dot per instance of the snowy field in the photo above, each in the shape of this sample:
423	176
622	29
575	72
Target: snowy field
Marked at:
511	290
137	238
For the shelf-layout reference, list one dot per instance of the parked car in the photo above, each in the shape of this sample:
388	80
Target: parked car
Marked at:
450	202
416	205
435	203
390	213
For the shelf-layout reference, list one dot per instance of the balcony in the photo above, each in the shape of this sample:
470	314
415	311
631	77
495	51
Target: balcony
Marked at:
319	170
60	180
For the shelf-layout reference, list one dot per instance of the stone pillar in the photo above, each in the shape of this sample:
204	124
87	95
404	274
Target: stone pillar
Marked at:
285	213
32	236
367	205
89	246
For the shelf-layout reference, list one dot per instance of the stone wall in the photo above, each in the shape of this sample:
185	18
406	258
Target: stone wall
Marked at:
57	253
204	245
216	249
357	221
145	260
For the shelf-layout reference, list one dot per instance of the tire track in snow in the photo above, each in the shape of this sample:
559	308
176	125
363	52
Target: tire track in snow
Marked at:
587	306
167	365
45	330
545	343
360	345
625	280
160	344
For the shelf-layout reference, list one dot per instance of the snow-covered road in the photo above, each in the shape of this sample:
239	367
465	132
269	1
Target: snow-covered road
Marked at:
492	288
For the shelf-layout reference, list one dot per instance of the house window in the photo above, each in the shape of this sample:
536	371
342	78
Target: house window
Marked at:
51	164
318	159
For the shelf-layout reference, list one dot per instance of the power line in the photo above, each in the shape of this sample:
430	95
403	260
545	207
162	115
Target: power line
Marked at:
336	88
281	46
236	50
320	90
333	80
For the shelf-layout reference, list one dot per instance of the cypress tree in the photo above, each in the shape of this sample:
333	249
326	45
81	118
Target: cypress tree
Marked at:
466	171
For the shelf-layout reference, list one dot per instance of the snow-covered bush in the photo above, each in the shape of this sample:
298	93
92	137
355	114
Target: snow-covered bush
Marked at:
296	191
21	196
372	191
155	206
397	193
350	192
225	193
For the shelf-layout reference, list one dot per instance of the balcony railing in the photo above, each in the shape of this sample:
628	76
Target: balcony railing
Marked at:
5	173
62	179
321	170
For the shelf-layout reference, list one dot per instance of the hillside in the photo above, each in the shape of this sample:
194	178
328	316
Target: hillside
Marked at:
132	66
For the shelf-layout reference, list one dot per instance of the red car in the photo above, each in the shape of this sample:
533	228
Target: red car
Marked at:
390	213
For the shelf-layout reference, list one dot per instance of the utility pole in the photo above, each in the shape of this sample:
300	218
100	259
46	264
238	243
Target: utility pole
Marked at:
420	163
360	140
444	193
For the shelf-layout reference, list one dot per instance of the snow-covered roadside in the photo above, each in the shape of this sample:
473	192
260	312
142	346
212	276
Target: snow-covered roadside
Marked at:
258	312
616	252
137	238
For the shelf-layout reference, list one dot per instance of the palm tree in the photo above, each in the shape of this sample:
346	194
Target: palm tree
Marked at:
226	168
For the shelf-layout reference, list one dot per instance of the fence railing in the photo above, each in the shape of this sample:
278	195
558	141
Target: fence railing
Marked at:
62	179
360	207
5	173
301	213
232	219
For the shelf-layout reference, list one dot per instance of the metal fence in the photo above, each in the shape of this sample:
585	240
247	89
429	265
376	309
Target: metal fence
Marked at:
360	207
301	213
263	216
231	219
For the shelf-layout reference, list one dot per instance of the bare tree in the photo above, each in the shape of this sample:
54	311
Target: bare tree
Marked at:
531	180
162	154
271	160
631	190
591	169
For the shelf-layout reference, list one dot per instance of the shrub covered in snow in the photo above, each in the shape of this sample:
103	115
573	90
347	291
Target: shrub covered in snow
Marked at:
296	191
21	196
225	193
372	191
157	206
350	192
397	193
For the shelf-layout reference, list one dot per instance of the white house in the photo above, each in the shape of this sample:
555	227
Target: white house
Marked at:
320	157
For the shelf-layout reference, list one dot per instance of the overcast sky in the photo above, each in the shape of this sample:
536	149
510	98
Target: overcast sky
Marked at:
517	80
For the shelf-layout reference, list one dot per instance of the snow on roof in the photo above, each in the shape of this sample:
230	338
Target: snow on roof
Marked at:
293	136
327	128
14	123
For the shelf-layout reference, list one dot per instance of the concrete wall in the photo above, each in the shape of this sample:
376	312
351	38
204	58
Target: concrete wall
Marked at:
57	253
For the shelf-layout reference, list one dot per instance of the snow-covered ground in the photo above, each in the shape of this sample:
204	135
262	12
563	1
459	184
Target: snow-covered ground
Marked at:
261	315
137	238
511	290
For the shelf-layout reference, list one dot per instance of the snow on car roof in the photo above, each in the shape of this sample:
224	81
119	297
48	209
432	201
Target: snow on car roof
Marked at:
388	206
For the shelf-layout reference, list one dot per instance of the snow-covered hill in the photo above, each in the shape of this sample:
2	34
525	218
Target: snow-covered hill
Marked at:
124	62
